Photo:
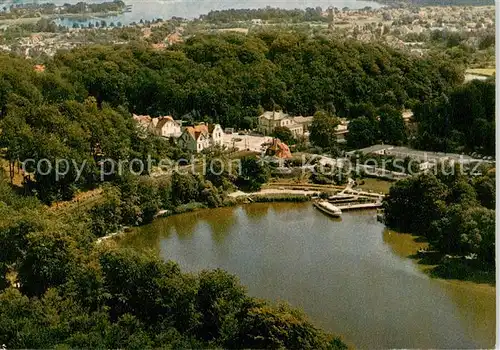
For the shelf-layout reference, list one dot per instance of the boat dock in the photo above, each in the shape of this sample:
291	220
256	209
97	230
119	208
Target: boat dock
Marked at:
359	206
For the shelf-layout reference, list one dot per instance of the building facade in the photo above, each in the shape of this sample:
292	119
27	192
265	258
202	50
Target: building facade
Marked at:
270	120
200	137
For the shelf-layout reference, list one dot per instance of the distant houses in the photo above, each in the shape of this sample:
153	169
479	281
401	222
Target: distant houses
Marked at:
270	120
193	138
162	126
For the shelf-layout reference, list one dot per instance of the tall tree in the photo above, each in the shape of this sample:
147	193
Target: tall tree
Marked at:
323	131
363	132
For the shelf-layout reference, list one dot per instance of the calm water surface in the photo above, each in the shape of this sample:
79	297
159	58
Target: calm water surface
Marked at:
152	9
350	276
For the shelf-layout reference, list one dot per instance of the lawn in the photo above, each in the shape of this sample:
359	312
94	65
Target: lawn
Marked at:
482	71
375	185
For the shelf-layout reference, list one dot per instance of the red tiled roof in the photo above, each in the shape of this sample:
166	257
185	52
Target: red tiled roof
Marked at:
279	149
39	68
141	118
197	131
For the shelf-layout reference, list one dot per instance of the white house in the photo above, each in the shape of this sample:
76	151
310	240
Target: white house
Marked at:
216	134
161	126
167	127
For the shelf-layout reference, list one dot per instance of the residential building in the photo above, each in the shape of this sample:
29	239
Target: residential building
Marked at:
278	149
270	120
194	139
199	137
167	127
216	134
162	126
144	123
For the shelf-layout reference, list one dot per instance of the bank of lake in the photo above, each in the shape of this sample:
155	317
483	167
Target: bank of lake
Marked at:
352	276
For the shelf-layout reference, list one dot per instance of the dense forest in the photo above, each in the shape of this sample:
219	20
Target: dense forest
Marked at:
437	2
74	293
265	14
58	288
453	210
230	77
462	120
80	106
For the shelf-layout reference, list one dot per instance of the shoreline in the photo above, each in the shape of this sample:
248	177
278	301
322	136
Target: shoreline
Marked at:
427	269
56	16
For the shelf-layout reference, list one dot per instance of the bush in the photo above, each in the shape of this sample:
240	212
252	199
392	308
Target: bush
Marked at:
185	208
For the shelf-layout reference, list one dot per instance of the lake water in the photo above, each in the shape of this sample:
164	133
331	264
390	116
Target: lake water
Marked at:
153	9
350	275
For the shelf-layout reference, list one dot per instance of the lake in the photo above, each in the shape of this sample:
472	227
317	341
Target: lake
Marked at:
350	275
151	9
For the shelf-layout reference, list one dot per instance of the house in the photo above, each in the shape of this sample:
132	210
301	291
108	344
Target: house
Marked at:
144	123
342	130
167	127
194	139
304	121
278	149
39	68
269	121
199	137
162	126
216	134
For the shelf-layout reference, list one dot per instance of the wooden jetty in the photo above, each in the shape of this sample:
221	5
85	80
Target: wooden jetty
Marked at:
359	206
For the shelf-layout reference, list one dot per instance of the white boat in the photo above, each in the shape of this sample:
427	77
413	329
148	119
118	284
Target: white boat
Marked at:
328	208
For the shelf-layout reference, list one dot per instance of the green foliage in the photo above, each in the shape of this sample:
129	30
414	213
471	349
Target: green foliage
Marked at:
392	126
363	132
187	188
446	210
280	327
267	14
284	134
141	302
254	173
330	175
323	128
106	217
228	77
463	120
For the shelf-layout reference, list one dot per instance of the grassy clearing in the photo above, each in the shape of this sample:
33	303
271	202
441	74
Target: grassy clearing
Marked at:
375	185
487	72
